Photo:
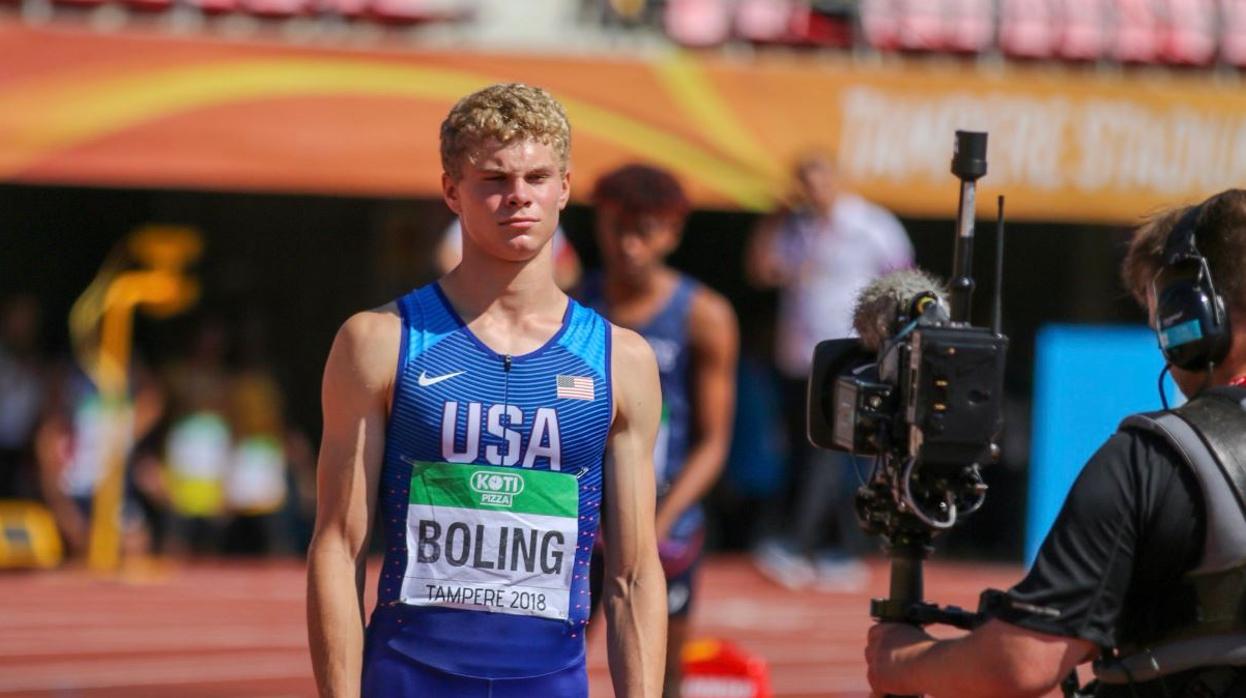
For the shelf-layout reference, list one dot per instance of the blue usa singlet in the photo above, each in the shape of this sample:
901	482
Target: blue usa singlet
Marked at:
667	334
490	495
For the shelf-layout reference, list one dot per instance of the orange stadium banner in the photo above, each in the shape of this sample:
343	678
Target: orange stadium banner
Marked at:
137	110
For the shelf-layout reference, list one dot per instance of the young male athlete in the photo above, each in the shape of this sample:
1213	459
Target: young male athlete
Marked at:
471	418
692	330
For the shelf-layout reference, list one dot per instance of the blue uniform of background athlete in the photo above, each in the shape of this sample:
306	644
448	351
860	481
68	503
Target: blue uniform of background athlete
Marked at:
445	374
667	334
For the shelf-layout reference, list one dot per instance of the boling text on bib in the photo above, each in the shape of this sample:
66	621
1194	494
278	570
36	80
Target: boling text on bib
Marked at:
494	539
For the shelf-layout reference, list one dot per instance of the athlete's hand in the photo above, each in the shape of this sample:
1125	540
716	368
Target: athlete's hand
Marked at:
889	649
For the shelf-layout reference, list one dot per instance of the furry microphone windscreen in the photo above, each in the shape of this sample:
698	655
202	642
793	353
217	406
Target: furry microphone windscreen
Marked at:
888	297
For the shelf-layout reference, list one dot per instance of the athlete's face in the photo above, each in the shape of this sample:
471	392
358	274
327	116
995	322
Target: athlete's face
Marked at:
509	198
631	245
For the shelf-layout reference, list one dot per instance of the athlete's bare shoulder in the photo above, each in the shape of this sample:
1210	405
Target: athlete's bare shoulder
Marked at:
711	318
711	306
366	348
630	352
634	371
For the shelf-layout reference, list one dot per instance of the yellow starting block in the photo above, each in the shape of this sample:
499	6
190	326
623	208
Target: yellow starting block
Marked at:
28	536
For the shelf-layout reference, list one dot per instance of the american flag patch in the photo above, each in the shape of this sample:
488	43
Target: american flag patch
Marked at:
575	387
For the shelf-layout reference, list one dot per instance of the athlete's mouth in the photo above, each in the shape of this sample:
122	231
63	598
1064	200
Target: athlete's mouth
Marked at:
520	222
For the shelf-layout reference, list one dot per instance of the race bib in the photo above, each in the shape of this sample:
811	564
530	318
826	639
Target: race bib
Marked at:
484	538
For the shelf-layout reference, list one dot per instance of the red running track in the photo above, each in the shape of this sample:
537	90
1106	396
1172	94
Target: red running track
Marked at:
227	629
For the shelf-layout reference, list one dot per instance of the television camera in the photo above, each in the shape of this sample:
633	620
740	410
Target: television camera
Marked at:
921	390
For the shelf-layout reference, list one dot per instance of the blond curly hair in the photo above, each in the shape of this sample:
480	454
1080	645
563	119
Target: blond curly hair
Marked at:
504	113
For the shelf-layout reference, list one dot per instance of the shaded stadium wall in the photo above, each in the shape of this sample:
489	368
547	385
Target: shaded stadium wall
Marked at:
298	264
302	264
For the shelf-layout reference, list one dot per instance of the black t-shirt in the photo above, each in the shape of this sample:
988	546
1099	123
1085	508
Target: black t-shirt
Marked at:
1109	571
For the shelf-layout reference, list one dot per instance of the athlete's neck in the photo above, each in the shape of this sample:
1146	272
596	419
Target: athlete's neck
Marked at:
623	290
486	285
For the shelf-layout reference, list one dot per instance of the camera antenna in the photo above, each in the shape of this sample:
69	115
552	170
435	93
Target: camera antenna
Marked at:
997	318
968	164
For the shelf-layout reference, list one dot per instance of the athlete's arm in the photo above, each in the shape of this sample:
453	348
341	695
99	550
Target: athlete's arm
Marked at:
714	339
634	590
355	395
997	659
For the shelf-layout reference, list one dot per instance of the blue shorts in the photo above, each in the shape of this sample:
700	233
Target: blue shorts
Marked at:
680	590
387	672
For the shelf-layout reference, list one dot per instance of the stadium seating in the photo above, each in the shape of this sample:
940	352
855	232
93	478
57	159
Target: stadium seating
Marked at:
214	7
880	23
1232	38
697	23
1136	32
277	9
406	11
971	28
1083	32
1194	33
764	21
814	27
1028	28
1187	35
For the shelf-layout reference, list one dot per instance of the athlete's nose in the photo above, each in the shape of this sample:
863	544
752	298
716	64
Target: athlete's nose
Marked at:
630	246
520	194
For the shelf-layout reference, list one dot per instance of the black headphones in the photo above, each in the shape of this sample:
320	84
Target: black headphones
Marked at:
1190	318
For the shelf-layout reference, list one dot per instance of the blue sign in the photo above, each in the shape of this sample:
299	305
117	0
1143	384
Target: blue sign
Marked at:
1087	378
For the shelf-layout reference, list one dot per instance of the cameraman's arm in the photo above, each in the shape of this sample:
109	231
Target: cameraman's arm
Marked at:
1134	507
996	659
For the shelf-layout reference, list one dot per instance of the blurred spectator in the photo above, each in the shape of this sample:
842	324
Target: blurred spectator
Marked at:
566	261
299	513
21	393
820	253
73	445
199	444
237	479
255	485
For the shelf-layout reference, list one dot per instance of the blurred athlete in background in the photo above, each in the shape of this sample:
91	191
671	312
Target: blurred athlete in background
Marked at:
693	332
819	254
483	453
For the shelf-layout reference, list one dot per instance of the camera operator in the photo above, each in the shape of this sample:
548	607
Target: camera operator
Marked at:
1145	567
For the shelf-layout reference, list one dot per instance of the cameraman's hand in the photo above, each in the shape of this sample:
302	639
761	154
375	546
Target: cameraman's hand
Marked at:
890	648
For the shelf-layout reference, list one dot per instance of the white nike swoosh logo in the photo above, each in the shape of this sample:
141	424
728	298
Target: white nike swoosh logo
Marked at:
425	381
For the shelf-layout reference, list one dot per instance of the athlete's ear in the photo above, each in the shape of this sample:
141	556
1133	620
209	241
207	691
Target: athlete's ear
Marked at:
566	189
450	193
